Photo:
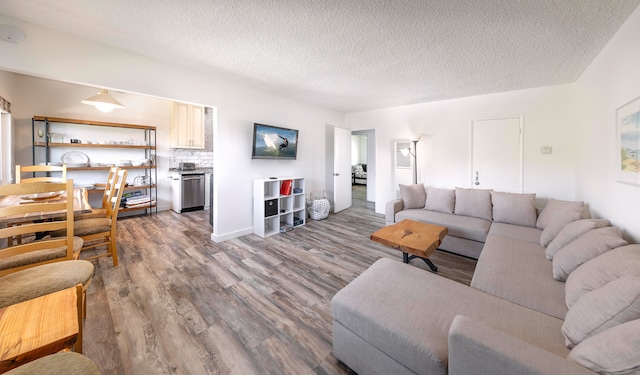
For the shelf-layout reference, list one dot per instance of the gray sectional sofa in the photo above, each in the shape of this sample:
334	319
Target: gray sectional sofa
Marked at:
553	293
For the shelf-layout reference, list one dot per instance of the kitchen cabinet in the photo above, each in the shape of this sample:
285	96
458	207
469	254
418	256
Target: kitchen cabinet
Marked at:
187	126
90	148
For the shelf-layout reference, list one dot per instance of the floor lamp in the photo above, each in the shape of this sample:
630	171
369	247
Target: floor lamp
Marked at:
414	140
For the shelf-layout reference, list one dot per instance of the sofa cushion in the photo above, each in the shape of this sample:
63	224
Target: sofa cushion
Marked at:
585	248
528	234
613	351
406	313
440	200
556	225
572	231
468	227
517	271
615	303
511	208
602	270
413	196
473	202
554	208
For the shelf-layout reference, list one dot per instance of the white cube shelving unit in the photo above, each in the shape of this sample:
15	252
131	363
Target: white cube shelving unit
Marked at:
272	210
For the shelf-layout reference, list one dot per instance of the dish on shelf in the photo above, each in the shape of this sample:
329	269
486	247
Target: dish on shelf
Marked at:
75	158
77	165
42	196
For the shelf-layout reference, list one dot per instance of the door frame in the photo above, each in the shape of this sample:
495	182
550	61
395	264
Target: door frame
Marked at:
520	119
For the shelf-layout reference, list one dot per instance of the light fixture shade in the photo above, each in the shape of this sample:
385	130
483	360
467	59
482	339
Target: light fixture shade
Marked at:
103	101
415	138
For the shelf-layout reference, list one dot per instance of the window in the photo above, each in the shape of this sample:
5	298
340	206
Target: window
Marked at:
6	149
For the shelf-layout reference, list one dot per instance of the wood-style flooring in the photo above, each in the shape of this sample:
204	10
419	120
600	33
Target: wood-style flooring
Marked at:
179	303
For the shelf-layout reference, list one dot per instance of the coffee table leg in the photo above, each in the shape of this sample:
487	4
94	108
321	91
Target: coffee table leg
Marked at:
406	259
430	264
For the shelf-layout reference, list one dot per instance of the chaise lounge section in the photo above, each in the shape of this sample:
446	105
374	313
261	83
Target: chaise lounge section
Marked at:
545	298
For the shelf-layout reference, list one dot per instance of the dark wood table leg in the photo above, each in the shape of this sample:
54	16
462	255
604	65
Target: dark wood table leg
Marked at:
406	258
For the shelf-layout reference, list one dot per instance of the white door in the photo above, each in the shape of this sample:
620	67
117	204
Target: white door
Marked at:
496	154
341	169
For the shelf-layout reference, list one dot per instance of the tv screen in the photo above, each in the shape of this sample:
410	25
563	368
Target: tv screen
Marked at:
272	142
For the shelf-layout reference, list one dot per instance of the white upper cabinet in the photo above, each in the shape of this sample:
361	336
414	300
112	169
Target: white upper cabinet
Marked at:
187	126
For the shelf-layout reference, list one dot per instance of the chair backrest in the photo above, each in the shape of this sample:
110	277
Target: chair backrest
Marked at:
119	183
108	187
38	200
20	169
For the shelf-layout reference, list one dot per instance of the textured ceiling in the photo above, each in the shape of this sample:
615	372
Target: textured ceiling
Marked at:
352	55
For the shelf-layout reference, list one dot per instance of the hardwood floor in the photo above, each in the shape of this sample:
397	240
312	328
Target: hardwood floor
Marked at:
179	303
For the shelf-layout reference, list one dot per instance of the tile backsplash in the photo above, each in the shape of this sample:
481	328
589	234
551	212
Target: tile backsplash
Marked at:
202	159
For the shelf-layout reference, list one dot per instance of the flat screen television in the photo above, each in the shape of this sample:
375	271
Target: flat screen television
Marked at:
272	142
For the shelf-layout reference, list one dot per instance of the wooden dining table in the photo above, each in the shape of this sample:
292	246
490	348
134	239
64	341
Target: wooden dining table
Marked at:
80	205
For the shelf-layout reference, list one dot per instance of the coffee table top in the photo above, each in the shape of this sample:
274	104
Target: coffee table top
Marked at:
411	236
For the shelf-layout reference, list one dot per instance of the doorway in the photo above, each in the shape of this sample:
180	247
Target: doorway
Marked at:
363	167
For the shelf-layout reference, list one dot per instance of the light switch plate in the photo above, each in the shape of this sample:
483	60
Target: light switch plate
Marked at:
546	150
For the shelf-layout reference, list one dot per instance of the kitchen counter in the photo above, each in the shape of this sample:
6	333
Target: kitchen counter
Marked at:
197	170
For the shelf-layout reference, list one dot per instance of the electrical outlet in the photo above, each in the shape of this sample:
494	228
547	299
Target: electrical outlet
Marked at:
546	150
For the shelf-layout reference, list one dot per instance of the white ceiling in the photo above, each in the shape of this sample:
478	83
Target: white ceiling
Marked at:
352	55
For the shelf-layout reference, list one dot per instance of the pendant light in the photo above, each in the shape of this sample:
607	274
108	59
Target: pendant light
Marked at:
103	101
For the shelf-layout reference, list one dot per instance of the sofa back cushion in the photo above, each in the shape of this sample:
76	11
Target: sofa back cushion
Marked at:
554	227
585	248
440	200
413	196
511	208
613	304
570	232
473	202
554	208
601	270
613	351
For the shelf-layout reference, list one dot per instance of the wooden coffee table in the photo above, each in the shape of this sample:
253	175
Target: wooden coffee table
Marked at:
412	237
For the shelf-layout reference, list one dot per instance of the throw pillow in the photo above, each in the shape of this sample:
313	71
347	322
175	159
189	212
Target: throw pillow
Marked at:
613	304
585	248
441	200
511	208
601	270
555	207
614	351
473	202
572	231
413	196
556	225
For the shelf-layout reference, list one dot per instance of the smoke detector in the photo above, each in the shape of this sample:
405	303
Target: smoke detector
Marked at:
11	34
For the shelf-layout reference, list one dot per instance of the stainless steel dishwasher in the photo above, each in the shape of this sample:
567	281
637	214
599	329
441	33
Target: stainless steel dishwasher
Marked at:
192	192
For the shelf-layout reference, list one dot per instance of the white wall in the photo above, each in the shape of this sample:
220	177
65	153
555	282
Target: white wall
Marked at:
443	151
58	56
358	149
612	80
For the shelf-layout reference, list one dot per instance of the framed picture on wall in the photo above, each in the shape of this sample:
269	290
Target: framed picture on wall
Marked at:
628	142
402	155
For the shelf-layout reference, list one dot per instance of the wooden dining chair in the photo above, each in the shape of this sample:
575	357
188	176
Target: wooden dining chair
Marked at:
102	231
42	200
100	212
20	169
49	278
